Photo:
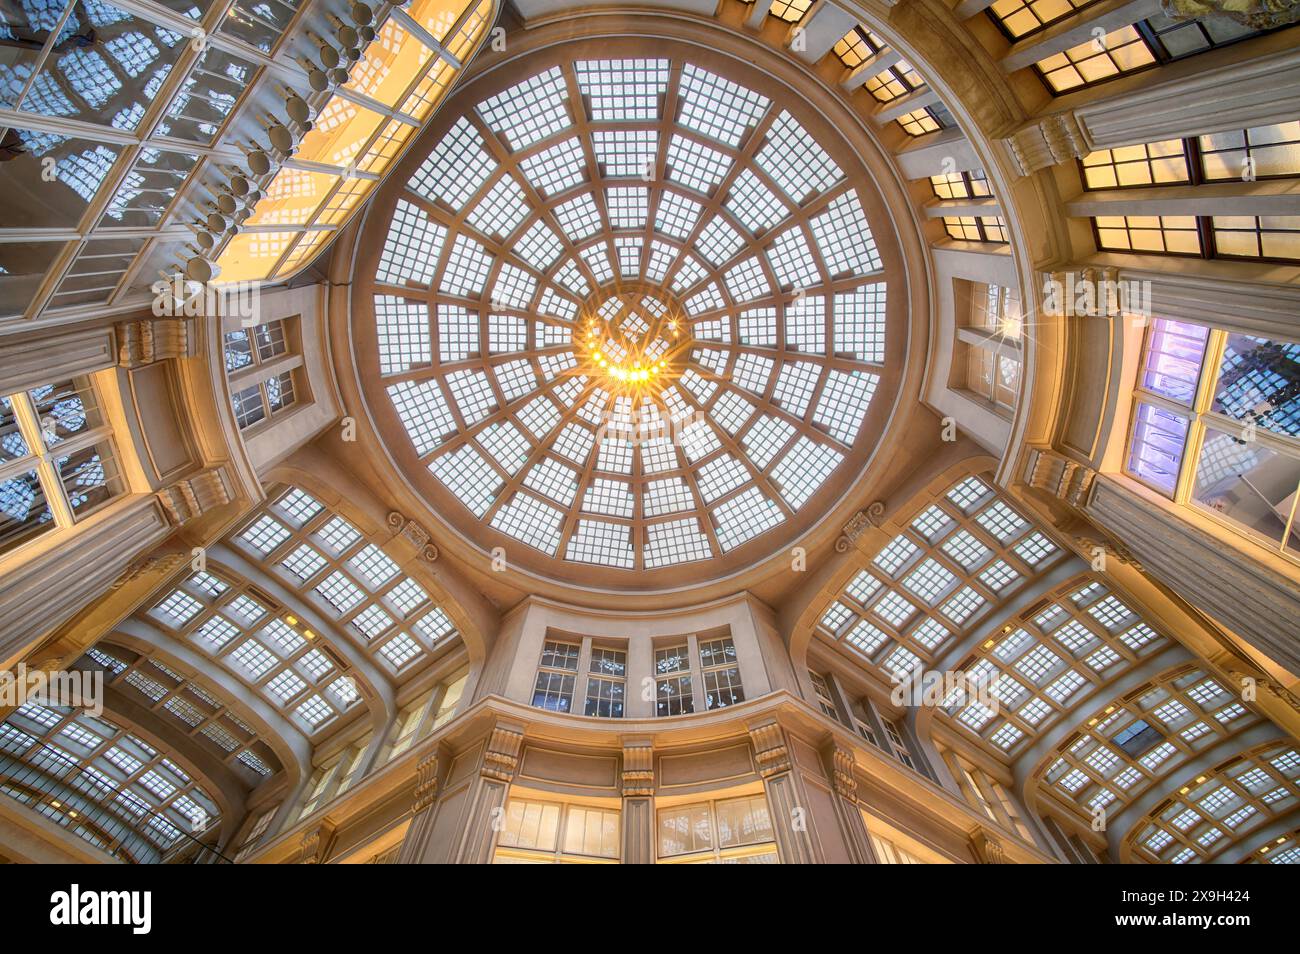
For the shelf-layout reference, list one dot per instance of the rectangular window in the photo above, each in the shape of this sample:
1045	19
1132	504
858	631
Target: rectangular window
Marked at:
249	354
822	689
673	681
722	686
728	831
901	751
57	462
1216	423
537	832
606	683
556	676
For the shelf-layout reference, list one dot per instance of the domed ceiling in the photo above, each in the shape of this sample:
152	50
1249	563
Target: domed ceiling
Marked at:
628	316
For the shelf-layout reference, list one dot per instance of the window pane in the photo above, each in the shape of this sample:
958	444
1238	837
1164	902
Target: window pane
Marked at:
1250	484
65	409
1159	438
1173	359
89	477
1259	381
743	821
12	444
685	829
24	511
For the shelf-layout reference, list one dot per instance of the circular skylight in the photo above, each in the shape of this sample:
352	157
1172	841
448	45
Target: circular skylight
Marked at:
630	314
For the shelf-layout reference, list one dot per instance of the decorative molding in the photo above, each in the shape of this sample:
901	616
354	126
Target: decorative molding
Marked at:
771	750
1217	576
843	779
1051	140
1266	684
316	843
638	770
194	496
501	755
1057	475
152	339
859	524
164	564
1237	94
988	850
426	783
415	534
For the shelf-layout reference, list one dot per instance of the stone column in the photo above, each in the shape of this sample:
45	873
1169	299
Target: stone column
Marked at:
638	802
485	811
839	767
786	803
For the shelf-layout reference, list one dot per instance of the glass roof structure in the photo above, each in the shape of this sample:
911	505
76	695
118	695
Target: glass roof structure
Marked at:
124	123
631	314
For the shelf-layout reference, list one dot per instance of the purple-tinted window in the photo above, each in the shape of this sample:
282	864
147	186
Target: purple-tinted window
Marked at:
1172	364
1159	438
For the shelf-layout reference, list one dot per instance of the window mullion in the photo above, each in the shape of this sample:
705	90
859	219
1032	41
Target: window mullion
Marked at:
29	425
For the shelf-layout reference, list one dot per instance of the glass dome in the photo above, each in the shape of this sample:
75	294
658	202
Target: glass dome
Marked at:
628	312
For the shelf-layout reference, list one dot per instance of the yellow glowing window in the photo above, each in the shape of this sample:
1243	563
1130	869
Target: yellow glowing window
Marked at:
429	91
886	86
468	34
292	197
342	129
856	46
1264	236
919	122
1172	234
790	11
1120	51
308	245
1152	163
385	147
1261	152
1022	17
250	256
342	201
971	228
961	185
392	63
437	16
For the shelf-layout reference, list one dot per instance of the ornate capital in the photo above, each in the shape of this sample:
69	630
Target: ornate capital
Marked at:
859	523
195	496
415	534
988	850
1050	140
316	843
1065	479
501	756
426	783
771	749
638	770
152	339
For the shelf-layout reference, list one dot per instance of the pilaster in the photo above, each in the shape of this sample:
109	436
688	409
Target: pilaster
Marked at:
638	778
840	769
485	813
785	798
